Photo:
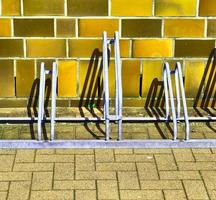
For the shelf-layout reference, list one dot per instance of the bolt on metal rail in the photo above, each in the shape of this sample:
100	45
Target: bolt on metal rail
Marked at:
171	115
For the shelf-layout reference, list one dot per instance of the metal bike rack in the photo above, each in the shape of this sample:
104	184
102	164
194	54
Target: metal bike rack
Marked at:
172	112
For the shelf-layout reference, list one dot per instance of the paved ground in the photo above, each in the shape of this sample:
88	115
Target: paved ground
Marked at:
89	174
107	174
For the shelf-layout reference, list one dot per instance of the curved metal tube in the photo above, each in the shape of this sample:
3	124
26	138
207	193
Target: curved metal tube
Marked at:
106	84
179	79
167	80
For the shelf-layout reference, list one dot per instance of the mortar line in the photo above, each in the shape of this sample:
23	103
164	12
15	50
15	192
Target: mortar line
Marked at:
65	8
12	27
109	7
76	28
197	8
55	27
24	47
206	28
0	8
153	7
21	8
162	28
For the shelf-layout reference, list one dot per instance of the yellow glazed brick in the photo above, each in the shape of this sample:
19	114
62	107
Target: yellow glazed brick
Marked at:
84	47
131	8
11	48
11	7
151	75
46	48
192	82
7	78
211	28
183	28
5	27
24	77
67	78
34	27
87	8
137	27
152	48
130	78
65	27
90	47
95	27
175	7
207	8
41	7
193	48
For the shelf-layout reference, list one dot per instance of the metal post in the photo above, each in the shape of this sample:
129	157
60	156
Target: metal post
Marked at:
53	103
177	93
106	86
40	106
166	93
187	125
167	69
119	84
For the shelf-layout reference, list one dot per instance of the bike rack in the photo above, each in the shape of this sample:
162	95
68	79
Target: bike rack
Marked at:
171	115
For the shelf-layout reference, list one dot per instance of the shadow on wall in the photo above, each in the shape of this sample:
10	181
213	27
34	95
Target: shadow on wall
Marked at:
207	89
32	107
92	91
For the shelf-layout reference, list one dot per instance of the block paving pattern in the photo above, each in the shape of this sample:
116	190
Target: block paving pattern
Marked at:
102	174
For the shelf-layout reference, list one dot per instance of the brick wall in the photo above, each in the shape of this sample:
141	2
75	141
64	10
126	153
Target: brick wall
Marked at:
69	32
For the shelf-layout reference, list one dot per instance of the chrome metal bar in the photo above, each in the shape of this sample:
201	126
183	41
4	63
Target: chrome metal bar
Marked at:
119	85
40	107
166	94
193	143
106	84
170	90
177	93
53	103
187	125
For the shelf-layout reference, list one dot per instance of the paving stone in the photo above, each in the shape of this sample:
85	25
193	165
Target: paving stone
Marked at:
115	166
19	190
54	158
52	195
195	189
6	162
134	158
161	184
174	194
208	175
25	156
141	194
4	186
123	151
7	151
42	181
128	180
95	175
64	171
3	195
15	176
179	175
165	162
24	167
85	195
45	151
152	151
84	162
75	151
205	157
183	155
208	151
75	185
147	171
107	189
196	166
104	155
